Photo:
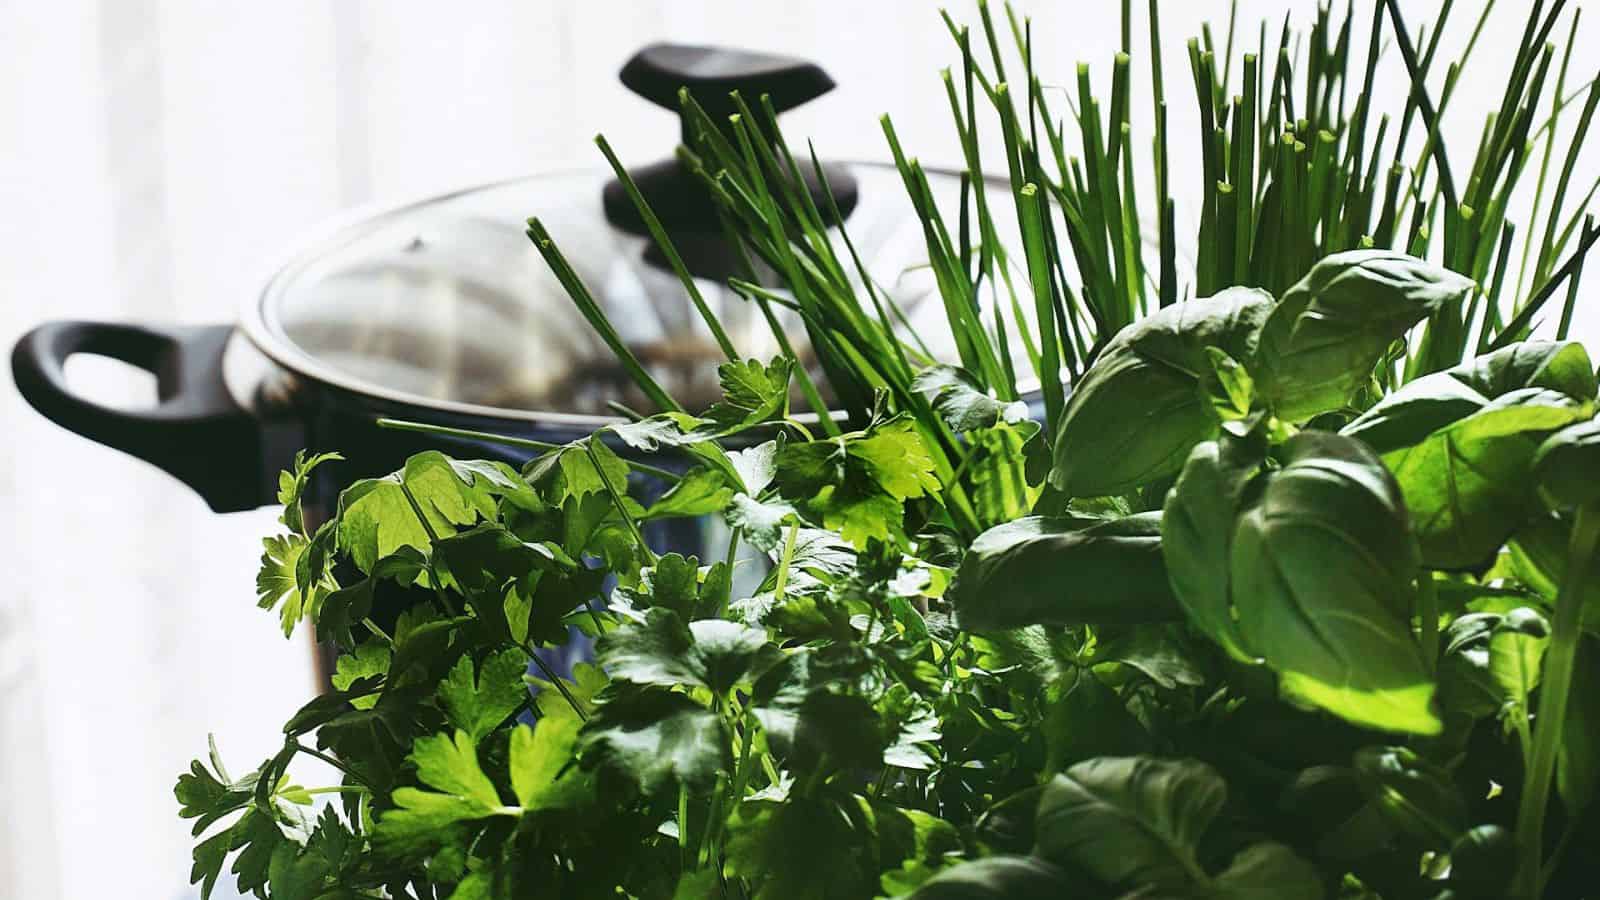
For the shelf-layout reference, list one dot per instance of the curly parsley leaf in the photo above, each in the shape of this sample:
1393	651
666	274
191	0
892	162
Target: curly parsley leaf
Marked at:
377	516
370	660
712	653
292	486
702	491
653	738
962	403
544	774
752	393
858	484
461	792
571	472
478	706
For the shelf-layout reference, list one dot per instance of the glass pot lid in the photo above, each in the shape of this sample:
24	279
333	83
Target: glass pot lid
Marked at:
446	303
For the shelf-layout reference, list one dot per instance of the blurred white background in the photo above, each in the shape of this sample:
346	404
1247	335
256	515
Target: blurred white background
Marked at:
156	154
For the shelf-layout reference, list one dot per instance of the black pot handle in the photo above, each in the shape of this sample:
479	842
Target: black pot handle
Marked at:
197	432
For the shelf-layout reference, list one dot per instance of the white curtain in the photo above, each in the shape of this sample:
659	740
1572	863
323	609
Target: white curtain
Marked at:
155	156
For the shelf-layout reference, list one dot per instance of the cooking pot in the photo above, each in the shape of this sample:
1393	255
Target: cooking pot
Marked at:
441	311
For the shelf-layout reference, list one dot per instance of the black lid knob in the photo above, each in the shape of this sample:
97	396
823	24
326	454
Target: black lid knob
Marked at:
711	74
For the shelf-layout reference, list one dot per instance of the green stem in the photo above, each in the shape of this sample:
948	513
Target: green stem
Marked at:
616	500
685	855
433	538
337	789
318	754
377	630
783	564
509	441
560	686
1428	618
1565	630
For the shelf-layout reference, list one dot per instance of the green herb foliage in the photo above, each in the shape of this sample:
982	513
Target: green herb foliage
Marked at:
1288	596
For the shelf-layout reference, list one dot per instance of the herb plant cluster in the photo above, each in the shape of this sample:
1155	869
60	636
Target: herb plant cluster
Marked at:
1287	592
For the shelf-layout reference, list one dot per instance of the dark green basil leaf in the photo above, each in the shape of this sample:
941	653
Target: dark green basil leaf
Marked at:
1001	878
1465	683
1516	653
1131	822
1538	556
1415	795
1567	466
1407	416
1065	571
1321	576
1136	413
1268	872
1135	824
1461	443
1198	524
1483	862
1466	484
1322	340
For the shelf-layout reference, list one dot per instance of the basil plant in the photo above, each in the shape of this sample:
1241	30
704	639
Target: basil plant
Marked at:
1407	559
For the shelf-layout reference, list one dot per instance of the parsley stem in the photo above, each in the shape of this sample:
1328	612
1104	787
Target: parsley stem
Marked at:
783	563
433	538
1428	618
337	789
560	686
729	560
616	500
507	440
684	853
377	630
318	754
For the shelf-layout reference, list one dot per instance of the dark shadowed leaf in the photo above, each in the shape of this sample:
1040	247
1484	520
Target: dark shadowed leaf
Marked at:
654	739
1065	571
1415	795
1131	822
1003	878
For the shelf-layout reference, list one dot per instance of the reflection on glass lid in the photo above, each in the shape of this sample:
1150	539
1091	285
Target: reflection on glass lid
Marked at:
449	301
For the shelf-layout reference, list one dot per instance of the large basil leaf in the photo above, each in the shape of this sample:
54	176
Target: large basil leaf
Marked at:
1327	332
1538	556
1465	683
1566	466
1130	821
1065	571
1197	526
1001	878
1516	654
1483	862
1413	794
1466	484
1461	443
1321	570
1136	824
1135	414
